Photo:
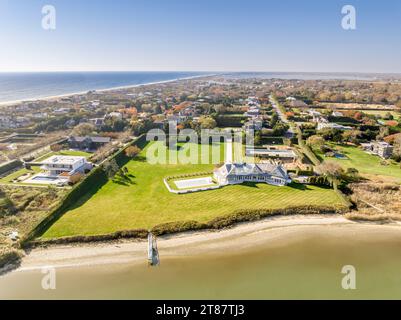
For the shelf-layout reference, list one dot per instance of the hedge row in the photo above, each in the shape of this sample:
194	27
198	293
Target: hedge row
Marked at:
137	234
242	216
257	214
92	182
97	178
120	156
188	175
215	224
10	166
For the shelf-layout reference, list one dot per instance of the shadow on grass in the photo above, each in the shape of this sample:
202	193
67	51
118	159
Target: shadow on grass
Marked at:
318	156
251	184
124	181
140	159
299	186
87	195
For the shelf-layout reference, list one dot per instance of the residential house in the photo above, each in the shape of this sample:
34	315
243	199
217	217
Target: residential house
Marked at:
380	148
237	173
255	124
332	125
98	122
65	165
284	154
87	143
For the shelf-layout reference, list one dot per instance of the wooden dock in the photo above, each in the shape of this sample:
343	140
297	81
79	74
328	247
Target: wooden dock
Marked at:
153	252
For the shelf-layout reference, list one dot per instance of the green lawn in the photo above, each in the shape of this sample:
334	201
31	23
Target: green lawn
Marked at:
365	163
145	201
64	153
8	179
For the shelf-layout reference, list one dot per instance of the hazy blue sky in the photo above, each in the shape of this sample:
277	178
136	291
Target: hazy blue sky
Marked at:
209	35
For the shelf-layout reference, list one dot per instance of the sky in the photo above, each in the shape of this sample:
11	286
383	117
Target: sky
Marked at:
200	35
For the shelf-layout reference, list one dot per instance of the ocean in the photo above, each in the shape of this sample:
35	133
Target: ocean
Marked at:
35	85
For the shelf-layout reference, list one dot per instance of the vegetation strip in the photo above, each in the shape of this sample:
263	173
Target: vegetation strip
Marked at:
182	226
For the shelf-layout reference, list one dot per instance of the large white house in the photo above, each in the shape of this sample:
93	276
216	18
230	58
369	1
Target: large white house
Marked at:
59	170
236	173
66	165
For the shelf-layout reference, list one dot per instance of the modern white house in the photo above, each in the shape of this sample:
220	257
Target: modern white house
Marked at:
237	173
58	170
56	165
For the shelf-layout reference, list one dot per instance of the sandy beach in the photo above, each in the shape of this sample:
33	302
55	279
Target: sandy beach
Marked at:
278	231
66	95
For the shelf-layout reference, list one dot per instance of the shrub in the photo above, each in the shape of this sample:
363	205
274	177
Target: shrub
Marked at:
132	151
9	256
56	147
175	227
125	234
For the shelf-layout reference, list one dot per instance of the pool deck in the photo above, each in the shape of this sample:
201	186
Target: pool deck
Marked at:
41	178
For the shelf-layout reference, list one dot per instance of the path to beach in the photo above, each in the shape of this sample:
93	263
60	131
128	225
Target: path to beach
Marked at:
247	236
229	151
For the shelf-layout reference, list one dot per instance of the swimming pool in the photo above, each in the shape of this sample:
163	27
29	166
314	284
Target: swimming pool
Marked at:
45	178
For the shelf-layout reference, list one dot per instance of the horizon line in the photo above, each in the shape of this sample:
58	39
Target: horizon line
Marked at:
201	71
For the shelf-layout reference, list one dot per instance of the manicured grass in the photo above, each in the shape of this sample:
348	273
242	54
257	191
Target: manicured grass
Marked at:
365	163
8	179
65	153
143	201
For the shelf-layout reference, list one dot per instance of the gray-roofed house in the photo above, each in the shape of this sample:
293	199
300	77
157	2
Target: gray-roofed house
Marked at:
236	173
87	143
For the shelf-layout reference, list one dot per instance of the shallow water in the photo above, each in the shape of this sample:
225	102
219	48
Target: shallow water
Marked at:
306	269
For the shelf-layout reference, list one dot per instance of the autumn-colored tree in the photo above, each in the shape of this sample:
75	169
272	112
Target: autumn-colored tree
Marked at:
83	129
398	106
207	123
383	132
315	141
56	147
75	178
132	151
358	116
332	170
351	135
397	148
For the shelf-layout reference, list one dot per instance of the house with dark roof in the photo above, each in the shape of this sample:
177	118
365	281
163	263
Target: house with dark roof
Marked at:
237	173
87	143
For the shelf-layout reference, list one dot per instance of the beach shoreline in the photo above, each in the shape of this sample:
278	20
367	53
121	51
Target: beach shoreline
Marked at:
66	95
243	237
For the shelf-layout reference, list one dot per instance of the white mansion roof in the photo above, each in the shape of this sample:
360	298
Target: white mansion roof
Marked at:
66	160
237	169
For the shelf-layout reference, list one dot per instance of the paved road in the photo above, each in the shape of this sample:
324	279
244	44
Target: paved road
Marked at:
289	134
279	112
